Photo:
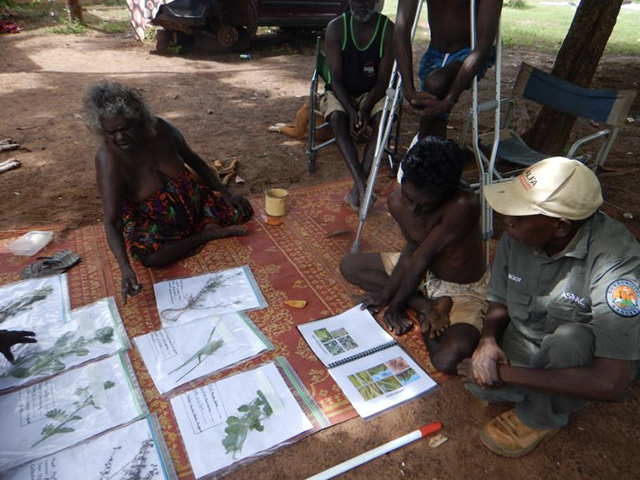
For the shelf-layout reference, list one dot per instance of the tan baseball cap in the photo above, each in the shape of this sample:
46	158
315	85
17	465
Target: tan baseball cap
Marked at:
555	187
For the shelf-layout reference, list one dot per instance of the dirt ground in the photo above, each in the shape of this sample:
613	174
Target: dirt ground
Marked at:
223	105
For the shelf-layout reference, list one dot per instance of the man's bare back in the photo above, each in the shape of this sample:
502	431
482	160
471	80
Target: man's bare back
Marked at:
440	272
461	261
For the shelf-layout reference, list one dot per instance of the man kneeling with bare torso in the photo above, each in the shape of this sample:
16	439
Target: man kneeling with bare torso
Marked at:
440	272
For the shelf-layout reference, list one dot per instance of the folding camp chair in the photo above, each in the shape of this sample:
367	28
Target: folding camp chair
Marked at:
610	107
322	72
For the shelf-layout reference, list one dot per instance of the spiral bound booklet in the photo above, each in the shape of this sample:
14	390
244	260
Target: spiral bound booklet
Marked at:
367	363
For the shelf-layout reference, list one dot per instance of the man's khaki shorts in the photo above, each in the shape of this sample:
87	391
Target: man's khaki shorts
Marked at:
329	103
469	299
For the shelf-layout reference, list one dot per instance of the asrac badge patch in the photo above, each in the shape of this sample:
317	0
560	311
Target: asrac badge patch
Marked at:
622	298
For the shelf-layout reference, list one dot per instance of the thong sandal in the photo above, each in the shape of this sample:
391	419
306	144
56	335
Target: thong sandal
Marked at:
59	263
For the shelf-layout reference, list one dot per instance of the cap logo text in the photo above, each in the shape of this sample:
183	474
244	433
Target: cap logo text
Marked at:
528	180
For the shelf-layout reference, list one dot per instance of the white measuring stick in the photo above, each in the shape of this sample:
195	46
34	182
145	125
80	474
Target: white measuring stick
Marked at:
378	452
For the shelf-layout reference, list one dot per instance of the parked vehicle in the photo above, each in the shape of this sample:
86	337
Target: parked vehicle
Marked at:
224	24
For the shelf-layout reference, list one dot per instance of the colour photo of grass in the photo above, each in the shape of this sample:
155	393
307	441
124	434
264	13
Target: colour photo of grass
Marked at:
389	384
364	377
407	376
356	381
347	342
323	335
333	347
397	365
339	332
379	372
370	391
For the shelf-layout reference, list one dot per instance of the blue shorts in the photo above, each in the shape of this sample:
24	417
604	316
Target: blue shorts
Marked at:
433	59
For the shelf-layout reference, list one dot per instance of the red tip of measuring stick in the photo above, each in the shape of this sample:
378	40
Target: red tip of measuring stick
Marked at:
431	428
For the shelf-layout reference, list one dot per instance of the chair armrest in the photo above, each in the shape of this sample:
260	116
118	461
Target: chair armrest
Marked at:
584	140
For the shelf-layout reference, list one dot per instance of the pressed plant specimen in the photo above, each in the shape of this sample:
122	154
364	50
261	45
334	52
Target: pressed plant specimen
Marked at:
48	362
132	470
238	427
62	419
24	302
193	302
209	348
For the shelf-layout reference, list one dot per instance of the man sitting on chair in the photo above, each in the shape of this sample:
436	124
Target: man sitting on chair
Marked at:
360	56
449	65
441	271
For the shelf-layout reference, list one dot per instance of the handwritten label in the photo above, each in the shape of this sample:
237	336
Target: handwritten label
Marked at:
205	408
35	402
163	344
46	469
176	291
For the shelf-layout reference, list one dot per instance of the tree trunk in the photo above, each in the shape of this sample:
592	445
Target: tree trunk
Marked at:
576	62
75	10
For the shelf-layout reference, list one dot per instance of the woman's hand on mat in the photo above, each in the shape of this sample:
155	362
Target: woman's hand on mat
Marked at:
130	285
485	364
372	301
9	338
396	320
239	203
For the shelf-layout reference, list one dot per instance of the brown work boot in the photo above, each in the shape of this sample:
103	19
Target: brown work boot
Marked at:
506	435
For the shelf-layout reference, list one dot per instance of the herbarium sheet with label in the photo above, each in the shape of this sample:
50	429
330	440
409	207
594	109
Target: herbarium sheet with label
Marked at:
132	452
34	301
182	300
66	409
177	355
94	331
237	418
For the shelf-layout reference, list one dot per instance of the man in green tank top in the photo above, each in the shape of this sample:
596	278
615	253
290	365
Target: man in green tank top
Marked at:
359	51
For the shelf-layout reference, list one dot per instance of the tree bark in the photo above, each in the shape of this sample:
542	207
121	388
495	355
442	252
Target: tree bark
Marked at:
576	62
75	10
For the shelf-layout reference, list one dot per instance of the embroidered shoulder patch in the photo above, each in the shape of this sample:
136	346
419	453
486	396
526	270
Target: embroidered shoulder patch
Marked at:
622	298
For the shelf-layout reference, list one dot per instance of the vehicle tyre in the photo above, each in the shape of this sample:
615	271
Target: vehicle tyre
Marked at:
163	40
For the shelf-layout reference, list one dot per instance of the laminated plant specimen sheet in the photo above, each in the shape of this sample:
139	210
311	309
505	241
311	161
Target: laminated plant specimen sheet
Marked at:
135	451
93	331
177	355
238	418
367	363
226	291
34	301
59	412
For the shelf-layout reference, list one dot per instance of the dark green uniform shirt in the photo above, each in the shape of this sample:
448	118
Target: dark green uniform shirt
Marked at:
595	281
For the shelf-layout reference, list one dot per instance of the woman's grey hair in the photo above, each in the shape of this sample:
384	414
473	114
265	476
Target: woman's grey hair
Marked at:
110	98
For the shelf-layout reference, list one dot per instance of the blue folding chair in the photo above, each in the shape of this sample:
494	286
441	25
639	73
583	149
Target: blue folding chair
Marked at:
609	107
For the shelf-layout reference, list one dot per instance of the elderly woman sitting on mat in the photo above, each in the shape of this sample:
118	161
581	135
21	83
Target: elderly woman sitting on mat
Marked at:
149	197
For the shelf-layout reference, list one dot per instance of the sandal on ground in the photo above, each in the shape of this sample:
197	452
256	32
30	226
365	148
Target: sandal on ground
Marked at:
59	263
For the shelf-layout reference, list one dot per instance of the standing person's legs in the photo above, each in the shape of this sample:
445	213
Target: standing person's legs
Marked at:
437	84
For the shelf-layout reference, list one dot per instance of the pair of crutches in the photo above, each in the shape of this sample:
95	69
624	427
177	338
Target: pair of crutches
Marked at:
393	96
486	165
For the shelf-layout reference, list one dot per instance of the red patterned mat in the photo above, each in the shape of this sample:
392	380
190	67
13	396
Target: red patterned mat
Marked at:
297	260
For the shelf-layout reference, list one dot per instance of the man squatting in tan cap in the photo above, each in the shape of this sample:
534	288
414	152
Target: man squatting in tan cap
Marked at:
563	324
